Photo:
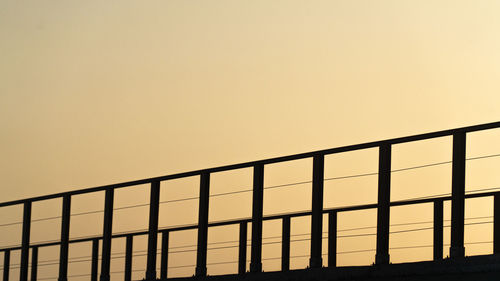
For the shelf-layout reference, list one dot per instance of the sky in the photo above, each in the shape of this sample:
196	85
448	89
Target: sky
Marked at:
94	93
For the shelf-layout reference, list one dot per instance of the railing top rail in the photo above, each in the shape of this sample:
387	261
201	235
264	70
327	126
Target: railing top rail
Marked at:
268	217
263	162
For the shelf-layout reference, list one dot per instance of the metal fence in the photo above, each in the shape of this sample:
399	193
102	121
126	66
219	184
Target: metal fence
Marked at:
457	199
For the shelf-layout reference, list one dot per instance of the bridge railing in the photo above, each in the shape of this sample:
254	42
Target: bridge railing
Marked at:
316	236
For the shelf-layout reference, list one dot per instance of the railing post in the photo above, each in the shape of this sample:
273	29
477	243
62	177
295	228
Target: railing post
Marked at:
457	249
242	260
496	223
6	265
106	234
384	199
438	229
257	211
95	259
316	259
332	239
63	249
129	249
154	203
25	247
285	244
34	263
201	259
164	254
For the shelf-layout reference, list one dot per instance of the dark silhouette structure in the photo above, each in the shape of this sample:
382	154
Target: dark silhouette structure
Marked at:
457	267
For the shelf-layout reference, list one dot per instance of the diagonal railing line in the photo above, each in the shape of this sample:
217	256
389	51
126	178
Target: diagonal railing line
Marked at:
373	144
230	221
41	264
278	258
268	187
120	255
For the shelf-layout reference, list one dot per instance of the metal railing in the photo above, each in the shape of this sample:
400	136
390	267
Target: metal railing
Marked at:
457	199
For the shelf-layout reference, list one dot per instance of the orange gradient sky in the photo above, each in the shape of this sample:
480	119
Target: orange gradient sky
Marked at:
94	93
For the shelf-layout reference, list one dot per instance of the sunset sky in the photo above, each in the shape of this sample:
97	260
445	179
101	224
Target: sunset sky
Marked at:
99	92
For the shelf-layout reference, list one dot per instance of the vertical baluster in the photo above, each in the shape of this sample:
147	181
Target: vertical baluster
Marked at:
201	259
316	259
164	254
106	236
129	249
285	244
257	211
95	259
153	230
457	249
25	247
242	251
438	229
496	224
34	263
384	199
6	265
64	248
332	239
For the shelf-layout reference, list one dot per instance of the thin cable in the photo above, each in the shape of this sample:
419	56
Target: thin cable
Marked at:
277	242
421	166
56	262
287	184
84	275
437	196
270	237
484	189
298	183
276	258
269	187
483	157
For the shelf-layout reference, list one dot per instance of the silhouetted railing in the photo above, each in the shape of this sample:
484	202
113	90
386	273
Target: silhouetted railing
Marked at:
316	236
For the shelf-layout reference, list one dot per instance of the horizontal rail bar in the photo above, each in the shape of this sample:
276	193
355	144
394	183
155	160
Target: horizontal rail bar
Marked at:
266	218
264	162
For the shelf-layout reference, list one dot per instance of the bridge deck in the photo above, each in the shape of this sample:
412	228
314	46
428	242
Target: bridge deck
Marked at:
476	268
